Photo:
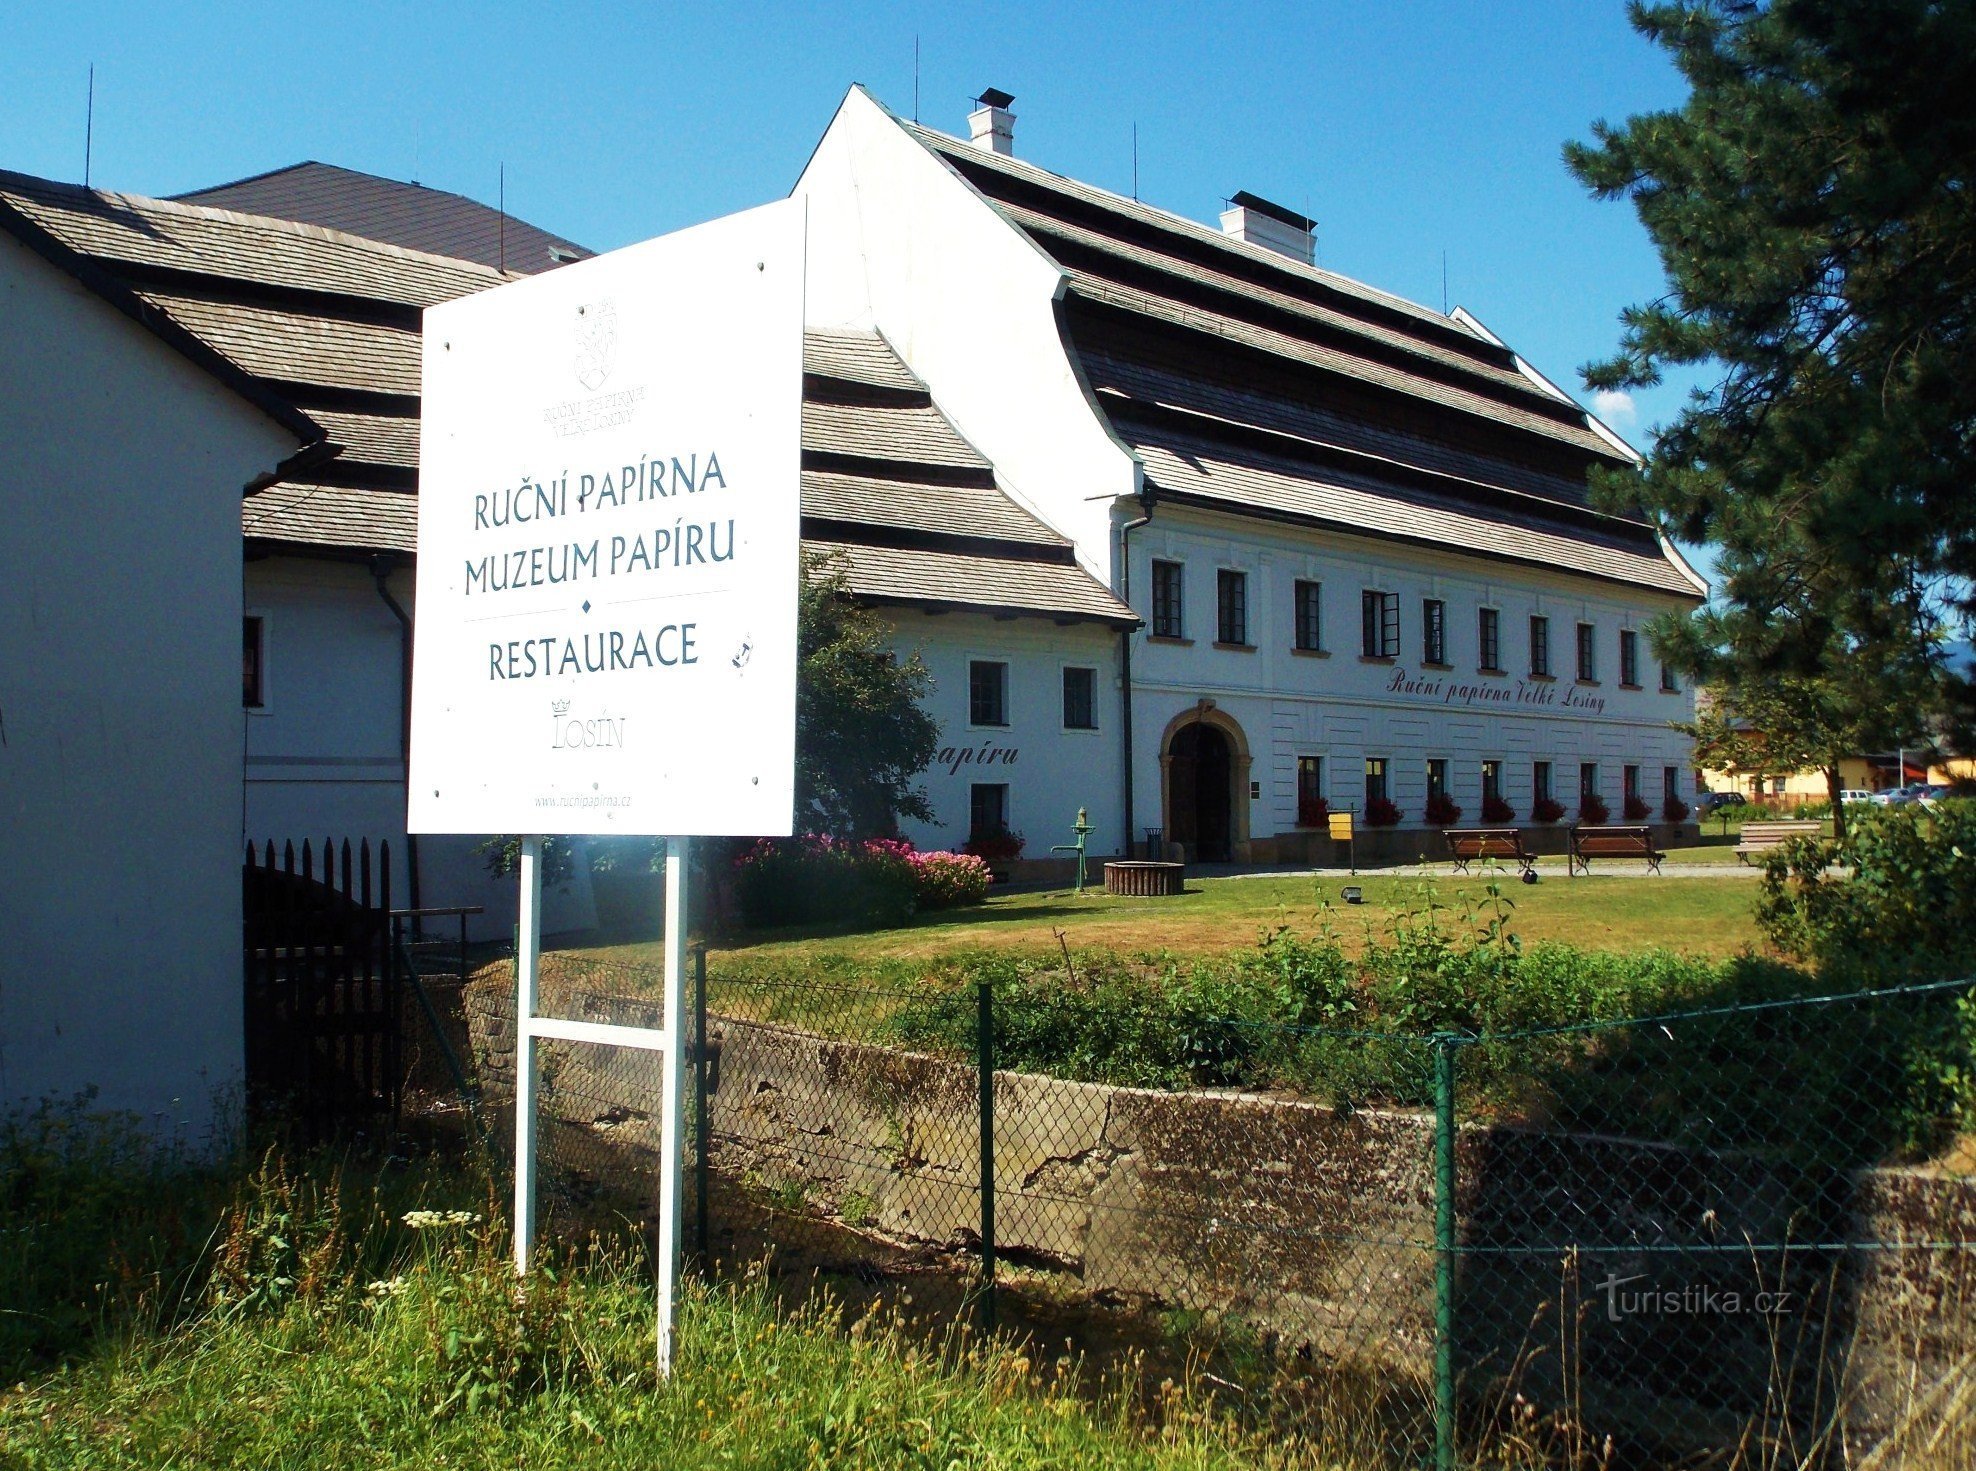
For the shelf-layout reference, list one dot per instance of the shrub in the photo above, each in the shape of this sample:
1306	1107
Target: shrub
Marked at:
1496	809
1636	808
1908	897
948	880
1312	811
1592	809
817	879
1001	847
1673	810
1381	813
1441	811
1546	809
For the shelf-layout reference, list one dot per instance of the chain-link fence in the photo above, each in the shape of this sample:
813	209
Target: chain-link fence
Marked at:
1749	1229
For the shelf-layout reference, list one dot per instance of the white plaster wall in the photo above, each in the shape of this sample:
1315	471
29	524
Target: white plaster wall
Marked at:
1053	771
323	756
900	243
120	765
1340	707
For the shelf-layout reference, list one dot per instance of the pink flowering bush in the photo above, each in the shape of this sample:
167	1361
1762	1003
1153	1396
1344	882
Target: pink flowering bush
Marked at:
818	879
948	880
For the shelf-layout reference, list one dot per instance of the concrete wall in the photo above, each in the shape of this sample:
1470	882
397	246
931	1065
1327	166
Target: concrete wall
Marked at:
1312	1227
120	700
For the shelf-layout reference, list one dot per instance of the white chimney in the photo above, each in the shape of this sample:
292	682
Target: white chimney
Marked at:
1256	221
991	125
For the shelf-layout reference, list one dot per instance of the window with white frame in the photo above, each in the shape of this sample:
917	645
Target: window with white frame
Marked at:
1080	699
1433	631
1489	636
1231	607
1168	582
987	692
1310	617
254	662
1379	619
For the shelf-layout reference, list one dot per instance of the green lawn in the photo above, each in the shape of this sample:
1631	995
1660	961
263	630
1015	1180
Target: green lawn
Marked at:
1699	916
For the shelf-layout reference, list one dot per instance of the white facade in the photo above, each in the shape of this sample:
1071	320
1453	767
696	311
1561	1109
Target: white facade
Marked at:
1049	768
1344	707
323	756
899	243
121	763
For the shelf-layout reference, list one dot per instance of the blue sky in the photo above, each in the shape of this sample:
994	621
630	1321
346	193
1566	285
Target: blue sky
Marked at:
1406	129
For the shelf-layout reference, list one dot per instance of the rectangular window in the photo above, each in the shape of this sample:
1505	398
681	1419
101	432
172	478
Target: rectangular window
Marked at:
1629	780
1310	617
1667	684
987	692
1588	779
1379	618
1080	699
1489	632
1540	780
1492	781
1670	784
1437	777
987	810
253	663
1231	607
1629	657
1540	646
1310	791
1588	652
1168	578
1375	780
1433	631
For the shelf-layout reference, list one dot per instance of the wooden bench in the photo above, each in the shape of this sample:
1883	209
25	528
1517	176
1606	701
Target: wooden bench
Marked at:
1467	844
1761	837
1588	843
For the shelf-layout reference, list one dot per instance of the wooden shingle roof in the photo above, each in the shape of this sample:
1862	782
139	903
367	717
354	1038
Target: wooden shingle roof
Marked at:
327	323
1204	350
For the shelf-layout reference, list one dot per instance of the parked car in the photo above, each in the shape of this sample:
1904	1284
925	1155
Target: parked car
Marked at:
1710	802
1854	794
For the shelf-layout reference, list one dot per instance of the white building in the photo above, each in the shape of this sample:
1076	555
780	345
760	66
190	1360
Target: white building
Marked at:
1191	533
1357	531
130	443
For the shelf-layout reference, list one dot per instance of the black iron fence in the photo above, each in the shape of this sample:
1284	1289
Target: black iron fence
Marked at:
1741	1230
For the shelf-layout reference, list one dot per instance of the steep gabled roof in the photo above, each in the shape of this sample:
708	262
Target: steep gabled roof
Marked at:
1317	398
325	327
430	220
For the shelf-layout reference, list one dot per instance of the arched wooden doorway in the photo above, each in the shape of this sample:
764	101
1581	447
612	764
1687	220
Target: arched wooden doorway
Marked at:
1204	766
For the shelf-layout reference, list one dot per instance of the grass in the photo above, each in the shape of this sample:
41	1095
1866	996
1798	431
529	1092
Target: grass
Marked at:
1690	916
316	1325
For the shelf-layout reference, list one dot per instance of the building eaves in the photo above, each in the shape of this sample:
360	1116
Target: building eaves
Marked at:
1204	473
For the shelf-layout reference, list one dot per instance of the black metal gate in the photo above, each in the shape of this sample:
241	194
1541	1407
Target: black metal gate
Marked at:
324	1002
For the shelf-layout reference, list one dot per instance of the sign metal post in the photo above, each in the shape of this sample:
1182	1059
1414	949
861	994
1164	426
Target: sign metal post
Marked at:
608	568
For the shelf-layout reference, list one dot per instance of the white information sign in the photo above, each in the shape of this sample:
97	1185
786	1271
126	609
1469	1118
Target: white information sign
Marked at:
608	543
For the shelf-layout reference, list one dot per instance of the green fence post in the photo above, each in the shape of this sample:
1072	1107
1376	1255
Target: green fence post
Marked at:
702	1126
984	1035
1444	1251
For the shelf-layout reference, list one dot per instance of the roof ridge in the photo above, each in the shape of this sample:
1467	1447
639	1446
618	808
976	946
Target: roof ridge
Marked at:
295	228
